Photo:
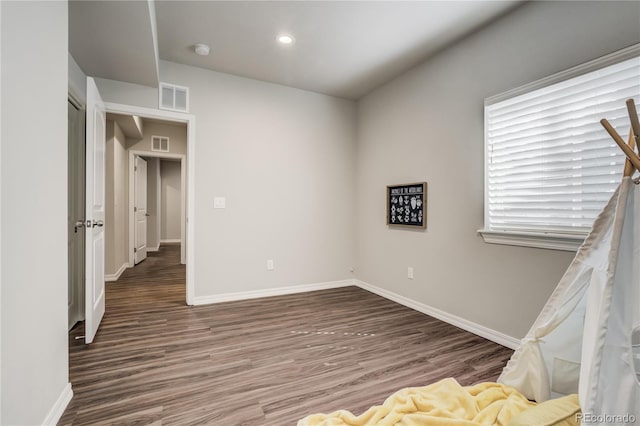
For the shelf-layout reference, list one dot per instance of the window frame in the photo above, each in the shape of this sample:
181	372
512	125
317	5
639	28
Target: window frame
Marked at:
547	240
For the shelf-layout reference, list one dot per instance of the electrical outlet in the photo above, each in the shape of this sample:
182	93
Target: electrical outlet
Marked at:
410	273
270	265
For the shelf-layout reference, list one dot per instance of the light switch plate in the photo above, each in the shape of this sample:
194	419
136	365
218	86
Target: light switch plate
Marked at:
219	202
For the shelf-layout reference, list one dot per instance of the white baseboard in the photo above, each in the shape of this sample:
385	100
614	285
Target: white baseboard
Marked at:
58	408
278	291
171	240
470	326
114	277
152	249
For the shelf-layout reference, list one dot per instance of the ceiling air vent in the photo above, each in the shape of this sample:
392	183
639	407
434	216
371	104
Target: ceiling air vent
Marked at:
174	98
159	144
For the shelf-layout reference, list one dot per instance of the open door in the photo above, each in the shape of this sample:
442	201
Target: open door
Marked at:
140	209
95	211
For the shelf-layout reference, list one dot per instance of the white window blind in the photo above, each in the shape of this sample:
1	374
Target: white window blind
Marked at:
550	166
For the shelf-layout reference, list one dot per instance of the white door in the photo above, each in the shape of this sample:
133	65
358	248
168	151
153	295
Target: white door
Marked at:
140	209
95	211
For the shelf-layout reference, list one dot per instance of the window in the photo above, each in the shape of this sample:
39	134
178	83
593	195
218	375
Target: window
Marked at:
550	167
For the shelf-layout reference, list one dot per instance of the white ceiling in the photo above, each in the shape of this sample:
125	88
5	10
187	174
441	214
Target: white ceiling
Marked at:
342	48
114	40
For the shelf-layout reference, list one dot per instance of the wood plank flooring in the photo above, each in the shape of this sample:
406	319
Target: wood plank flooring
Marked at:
267	361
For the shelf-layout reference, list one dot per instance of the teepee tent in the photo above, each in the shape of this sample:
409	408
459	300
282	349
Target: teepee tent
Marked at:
586	340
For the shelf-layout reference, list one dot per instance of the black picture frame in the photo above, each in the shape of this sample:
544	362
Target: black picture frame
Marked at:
407	205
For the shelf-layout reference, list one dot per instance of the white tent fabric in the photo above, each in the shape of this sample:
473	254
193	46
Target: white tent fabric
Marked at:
582	341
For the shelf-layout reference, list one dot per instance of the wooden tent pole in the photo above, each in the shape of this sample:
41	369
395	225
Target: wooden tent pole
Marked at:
630	153
633	117
628	167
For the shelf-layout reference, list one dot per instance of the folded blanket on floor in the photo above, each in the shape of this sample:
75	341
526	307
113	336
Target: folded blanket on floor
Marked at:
440	404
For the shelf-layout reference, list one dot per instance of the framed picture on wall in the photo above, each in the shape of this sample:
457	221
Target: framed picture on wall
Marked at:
407	205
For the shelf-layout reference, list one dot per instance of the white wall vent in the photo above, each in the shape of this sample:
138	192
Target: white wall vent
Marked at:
174	98
159	144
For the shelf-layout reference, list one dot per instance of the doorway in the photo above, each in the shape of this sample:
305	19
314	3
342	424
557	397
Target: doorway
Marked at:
157	184
145	189
77	197
168	198
188	174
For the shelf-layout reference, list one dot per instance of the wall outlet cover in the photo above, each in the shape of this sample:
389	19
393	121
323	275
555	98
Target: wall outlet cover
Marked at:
219	203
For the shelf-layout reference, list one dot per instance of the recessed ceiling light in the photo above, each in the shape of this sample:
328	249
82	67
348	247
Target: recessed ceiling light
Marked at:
201	49
285	39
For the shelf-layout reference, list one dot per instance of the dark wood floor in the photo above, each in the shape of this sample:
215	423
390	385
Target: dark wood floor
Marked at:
265	361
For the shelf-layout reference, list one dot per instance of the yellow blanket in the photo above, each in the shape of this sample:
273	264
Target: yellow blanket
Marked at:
442	403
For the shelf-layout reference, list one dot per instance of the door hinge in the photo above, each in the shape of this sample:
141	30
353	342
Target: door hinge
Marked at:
135	209
135	168
135	250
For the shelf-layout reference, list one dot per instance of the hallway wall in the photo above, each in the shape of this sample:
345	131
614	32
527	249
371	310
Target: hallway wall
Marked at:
153	203
116	201
170	200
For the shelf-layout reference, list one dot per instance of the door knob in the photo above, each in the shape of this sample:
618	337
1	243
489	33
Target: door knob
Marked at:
147	214
98	223
78	224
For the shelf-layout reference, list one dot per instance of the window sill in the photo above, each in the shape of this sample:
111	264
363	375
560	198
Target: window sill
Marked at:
564	242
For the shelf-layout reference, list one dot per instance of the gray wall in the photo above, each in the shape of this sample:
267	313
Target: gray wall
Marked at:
34	349
153	203
116	200
428	125
128	93
279	156
170	200
177	134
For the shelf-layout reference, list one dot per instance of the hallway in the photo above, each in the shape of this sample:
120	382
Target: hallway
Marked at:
139	308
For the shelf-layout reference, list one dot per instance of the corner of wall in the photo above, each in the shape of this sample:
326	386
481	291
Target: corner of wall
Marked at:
57	410
470	326
77	81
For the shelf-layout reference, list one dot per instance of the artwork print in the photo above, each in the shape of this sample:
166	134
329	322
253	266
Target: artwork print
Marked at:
406	205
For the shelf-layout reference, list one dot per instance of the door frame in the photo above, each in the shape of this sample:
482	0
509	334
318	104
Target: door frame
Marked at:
187	172
183	198
79	314
77	97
